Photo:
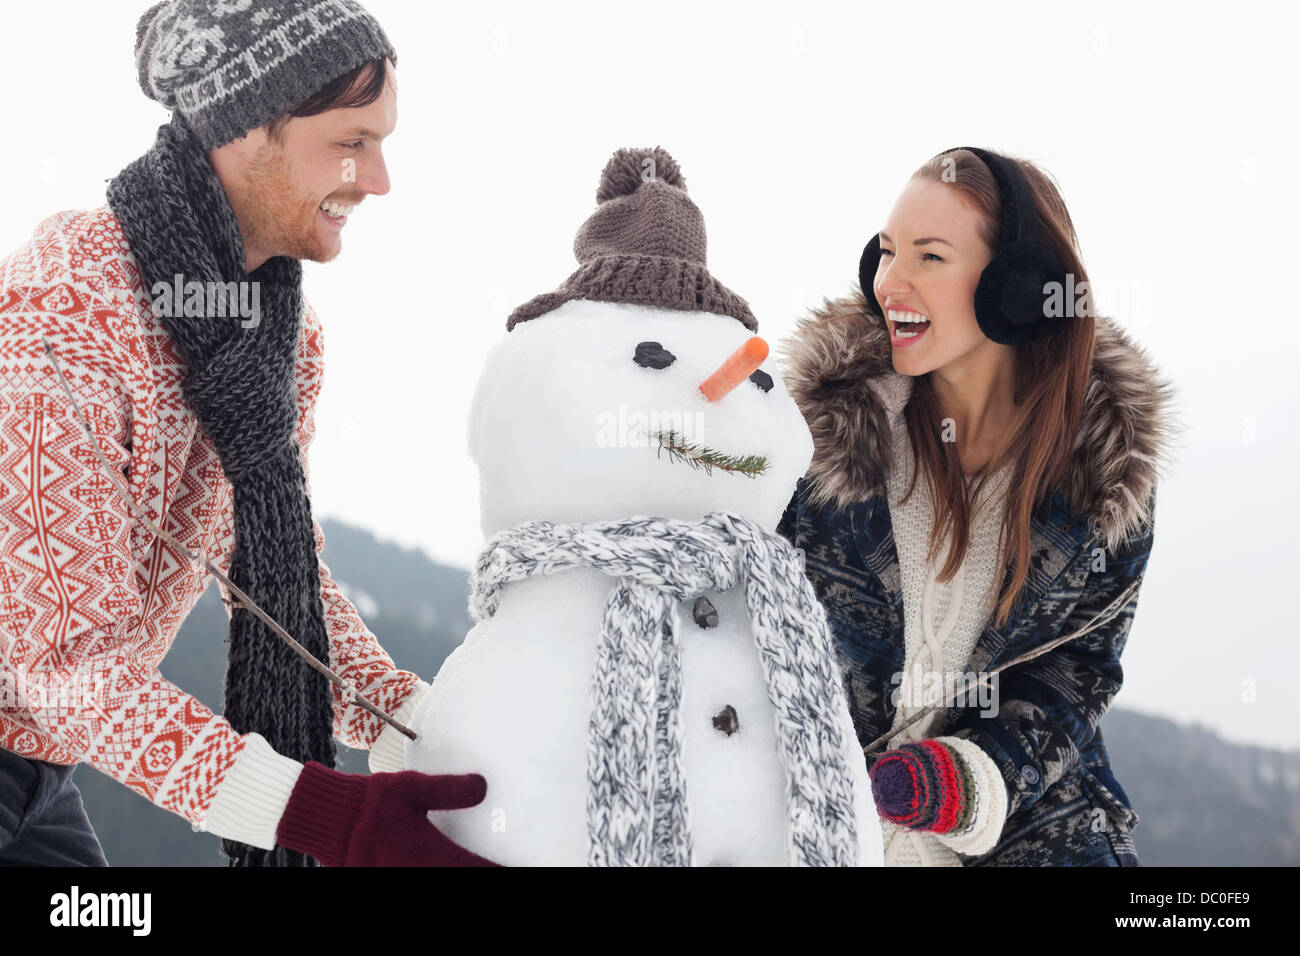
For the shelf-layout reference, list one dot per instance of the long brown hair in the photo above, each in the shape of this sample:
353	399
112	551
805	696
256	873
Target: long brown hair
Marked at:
1051	383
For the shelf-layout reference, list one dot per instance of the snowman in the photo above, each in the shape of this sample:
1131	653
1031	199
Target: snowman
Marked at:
650	680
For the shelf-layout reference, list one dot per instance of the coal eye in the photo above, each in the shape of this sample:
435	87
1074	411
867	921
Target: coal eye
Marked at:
762	380
653	355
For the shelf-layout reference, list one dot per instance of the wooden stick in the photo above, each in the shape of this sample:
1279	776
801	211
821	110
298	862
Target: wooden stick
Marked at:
1106	613
349	692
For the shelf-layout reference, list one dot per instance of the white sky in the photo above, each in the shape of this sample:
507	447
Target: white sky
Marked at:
1169	130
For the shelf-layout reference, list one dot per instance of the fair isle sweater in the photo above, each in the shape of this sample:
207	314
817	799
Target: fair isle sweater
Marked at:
942	623
90	599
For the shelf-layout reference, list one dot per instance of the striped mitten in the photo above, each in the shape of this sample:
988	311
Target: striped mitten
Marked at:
924	786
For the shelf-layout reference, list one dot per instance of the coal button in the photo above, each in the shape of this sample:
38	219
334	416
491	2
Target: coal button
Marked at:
705	614
726	720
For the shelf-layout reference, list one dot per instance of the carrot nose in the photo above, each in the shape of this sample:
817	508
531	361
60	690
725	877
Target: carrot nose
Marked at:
738	367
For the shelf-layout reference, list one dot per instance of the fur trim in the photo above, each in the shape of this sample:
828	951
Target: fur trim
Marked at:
839	369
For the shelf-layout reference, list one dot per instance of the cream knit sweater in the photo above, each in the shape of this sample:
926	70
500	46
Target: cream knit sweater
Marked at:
942	623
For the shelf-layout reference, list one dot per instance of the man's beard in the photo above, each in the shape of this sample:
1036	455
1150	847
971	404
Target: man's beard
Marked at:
273	216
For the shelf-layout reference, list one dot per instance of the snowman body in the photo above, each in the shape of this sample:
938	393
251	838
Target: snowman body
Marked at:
561	429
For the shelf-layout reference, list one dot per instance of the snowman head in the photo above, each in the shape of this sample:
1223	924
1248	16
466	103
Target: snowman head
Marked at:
596	412
637	387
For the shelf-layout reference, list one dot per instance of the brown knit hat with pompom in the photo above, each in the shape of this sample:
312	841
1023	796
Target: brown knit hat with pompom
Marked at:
645	244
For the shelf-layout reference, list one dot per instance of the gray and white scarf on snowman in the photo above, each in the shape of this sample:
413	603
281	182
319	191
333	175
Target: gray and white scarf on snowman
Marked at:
636	801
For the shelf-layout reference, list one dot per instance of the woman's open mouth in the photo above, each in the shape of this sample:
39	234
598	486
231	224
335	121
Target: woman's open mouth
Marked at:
906	326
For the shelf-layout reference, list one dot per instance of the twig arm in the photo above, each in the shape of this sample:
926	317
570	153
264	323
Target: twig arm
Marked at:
1102	616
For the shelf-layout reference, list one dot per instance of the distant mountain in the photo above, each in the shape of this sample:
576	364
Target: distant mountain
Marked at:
1202	801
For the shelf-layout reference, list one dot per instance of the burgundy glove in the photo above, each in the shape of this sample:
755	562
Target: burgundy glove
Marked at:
347	819
923	786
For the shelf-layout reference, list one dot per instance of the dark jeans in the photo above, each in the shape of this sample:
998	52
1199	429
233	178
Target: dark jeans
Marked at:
42	820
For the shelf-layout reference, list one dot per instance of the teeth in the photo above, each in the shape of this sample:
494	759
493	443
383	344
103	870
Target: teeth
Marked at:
336	210
900	318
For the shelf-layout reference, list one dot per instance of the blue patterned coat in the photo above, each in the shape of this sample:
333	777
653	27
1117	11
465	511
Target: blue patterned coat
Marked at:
1065	806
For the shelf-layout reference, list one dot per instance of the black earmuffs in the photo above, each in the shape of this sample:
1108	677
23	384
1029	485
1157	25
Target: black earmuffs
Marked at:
1010	300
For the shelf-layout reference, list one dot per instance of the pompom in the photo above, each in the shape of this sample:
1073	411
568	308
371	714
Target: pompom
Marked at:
627	169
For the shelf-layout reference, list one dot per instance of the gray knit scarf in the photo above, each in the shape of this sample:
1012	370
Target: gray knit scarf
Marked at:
240	384
636	803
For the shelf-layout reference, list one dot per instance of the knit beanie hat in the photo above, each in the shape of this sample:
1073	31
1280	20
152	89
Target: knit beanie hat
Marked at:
229	66
645	244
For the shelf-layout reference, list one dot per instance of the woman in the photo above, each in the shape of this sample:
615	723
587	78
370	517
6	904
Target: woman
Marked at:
983	481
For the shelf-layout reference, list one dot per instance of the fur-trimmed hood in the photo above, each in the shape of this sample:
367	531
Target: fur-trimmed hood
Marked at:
839	369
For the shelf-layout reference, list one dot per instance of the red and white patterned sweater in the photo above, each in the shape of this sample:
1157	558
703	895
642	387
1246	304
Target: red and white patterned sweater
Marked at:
90	600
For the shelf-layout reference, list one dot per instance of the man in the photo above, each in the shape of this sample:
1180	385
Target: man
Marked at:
176	314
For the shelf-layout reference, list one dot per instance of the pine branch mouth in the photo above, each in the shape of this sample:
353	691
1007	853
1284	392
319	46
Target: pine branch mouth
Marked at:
705	458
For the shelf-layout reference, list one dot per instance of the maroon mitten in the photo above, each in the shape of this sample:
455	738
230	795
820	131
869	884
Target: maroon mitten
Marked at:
923	786
347	819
